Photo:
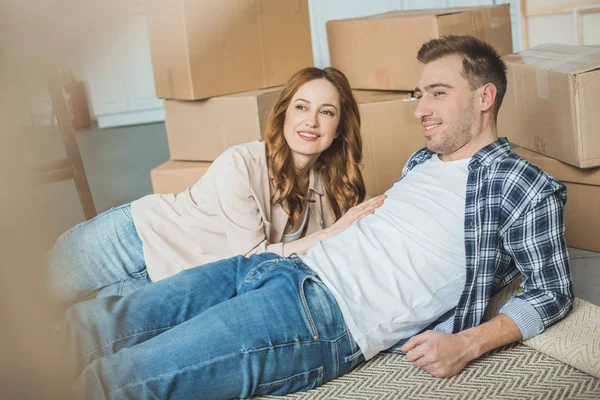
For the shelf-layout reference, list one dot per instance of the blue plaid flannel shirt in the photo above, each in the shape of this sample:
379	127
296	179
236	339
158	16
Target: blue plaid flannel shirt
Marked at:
513	225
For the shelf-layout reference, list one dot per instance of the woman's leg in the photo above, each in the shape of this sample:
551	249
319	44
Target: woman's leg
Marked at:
101	327
280	331
104	252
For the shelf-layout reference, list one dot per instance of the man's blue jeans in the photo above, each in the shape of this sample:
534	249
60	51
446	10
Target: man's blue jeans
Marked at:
239	327
104	253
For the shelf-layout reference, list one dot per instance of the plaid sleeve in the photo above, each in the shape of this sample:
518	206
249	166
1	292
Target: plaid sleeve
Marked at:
537	245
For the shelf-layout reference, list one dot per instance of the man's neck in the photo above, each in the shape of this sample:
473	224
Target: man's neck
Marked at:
487	135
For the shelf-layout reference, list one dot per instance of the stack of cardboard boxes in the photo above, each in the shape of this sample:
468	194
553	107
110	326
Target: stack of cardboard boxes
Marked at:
552	110
379	53
218	65
204	51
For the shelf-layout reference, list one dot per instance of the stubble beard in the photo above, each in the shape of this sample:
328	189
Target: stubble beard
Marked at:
456	134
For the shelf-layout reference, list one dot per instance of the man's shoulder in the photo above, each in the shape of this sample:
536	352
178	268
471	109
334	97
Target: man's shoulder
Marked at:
519	177
520	169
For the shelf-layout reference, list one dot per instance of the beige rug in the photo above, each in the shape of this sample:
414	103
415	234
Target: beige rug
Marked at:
563	362
575	340
515	372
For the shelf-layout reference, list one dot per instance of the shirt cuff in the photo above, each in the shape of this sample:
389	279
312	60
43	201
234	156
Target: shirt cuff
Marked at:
525	316
446	325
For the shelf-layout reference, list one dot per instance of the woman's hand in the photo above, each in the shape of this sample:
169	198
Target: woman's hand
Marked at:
353	215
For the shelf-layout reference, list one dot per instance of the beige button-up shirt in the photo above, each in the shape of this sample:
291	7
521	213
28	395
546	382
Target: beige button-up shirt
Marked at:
227	212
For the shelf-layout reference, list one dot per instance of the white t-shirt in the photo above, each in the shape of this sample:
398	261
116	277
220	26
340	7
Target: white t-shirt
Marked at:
401	268
290	237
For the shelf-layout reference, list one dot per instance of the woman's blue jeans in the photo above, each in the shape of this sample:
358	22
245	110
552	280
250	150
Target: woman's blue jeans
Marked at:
104	253
239	327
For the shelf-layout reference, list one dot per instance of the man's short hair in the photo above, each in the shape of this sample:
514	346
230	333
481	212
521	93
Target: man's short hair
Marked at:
481	62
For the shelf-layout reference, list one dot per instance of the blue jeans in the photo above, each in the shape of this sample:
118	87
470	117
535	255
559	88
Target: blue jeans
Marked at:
104	253
238	327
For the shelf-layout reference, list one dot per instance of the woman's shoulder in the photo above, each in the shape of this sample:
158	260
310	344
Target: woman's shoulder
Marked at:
246	161
247	153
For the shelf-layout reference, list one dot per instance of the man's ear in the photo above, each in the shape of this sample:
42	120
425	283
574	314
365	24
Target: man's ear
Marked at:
487	96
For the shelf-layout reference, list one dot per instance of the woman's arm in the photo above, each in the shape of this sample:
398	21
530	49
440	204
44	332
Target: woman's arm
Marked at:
354	214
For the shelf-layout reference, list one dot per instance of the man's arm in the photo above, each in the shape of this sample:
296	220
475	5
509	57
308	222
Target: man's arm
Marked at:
446	354
536	244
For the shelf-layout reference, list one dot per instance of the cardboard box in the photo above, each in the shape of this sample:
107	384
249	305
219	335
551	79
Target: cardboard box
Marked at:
176	176
391	133
201	130
582	213
552	103
380	51
202	49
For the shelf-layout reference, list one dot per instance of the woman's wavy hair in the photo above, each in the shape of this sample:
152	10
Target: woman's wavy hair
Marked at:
338	165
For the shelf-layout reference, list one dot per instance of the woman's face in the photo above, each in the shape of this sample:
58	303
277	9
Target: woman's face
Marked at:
311	121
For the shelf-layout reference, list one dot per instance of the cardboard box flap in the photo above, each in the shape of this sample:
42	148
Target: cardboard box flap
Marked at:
181	165
428	12
562	171
370	96
561	58
254	93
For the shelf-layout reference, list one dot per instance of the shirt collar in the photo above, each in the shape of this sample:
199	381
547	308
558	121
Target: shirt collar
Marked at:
314	181
490	153
483	157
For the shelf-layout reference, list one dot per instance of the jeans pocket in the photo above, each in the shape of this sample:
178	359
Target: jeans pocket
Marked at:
296	383
323	314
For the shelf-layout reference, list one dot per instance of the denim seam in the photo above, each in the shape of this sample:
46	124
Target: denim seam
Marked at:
125	337
127	214
201	364
122	286
280	382
336	359
353	357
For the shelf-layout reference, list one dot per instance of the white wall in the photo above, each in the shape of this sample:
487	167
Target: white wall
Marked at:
561	28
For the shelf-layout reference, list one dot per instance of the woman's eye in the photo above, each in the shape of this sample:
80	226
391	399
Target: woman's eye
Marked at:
328	112
300	107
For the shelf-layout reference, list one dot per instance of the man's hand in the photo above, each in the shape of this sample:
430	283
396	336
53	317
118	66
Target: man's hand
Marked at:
440	354
446	354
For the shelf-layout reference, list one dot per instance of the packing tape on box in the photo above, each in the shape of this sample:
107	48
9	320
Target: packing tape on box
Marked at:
541	80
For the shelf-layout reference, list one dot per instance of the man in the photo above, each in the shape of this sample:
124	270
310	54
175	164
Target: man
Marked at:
465	219
513	215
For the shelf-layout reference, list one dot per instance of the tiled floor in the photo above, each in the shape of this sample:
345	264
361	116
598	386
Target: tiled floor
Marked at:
118	163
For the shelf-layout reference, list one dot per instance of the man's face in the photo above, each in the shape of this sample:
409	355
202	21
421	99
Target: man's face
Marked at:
446	106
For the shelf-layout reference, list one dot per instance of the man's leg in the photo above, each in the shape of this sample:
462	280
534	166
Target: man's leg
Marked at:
283	332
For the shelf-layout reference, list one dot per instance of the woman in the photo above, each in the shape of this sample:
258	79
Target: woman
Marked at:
279	196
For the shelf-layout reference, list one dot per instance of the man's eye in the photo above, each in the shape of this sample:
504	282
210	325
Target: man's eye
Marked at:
437	94
418	96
